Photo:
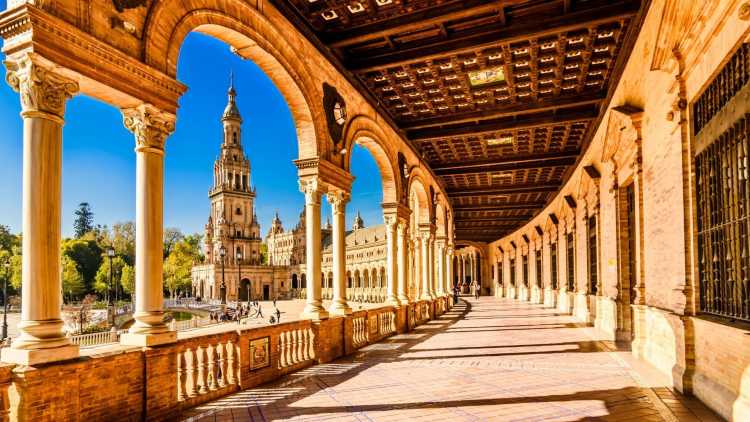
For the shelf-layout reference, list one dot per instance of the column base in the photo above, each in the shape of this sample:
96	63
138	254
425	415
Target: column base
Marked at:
33	357
341	309
314	314
148	340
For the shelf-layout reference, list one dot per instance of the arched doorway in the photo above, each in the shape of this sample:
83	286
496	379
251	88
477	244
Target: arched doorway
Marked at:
295	282
245	290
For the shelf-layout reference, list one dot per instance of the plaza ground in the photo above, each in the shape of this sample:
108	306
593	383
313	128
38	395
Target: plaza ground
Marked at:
486	360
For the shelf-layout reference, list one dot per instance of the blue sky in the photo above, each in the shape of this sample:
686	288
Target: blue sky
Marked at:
99	162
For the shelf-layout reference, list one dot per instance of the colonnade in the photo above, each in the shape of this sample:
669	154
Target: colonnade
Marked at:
468	267
44	91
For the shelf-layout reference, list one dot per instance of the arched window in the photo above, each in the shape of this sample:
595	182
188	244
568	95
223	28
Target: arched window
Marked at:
234	140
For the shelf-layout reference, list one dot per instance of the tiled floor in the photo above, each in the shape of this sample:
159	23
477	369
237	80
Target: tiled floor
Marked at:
486	360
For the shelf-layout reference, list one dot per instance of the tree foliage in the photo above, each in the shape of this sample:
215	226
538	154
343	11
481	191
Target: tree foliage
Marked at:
87	255
127	279
171	237
178	265
72	280
101	281
84	221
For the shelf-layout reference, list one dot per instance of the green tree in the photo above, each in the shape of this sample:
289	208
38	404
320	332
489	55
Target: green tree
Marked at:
178	266
15	268
127	279
101	280
171	237
72	280
263	254
7	239
122	239
87	255
84	221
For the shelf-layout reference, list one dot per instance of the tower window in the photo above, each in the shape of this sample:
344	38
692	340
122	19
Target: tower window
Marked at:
238	211
234	138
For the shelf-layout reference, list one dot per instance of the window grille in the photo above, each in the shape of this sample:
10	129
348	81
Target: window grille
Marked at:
539	268
722	191
571	262
553	265
723	198
593	268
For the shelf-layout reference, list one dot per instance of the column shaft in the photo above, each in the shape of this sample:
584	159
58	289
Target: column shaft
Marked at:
151	129
391	223
340	305
314	306
44	95
403	262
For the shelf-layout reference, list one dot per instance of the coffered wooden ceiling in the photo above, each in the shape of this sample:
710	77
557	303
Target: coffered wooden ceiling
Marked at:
500	97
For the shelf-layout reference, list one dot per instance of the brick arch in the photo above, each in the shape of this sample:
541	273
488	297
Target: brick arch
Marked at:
244	28
419	186
362	130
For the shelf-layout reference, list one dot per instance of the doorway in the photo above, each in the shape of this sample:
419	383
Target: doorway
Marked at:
266	292
245	290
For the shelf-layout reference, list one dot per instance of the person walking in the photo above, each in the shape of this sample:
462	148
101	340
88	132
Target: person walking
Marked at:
476	288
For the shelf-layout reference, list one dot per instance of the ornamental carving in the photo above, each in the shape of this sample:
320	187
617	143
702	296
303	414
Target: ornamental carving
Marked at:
150	126
338	200
40	88
122	5
312	189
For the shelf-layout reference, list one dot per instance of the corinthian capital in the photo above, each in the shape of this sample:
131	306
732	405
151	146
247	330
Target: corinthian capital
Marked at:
42	89
150	126
338	200
390	221
312	189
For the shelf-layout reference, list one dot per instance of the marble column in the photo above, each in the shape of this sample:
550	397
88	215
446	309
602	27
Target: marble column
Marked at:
391	225
424	237
44	93
338	201
313	193
403	261
440	268
449	271
151	127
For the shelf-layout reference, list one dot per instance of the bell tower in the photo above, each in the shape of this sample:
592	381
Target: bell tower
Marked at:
232	222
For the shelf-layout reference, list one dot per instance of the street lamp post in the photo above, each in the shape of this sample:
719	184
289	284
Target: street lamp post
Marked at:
223	288
5	298
239	275
111	254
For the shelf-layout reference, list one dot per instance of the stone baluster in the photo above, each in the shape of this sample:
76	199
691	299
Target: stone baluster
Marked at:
221	364
231	363
202	370
211	367
289	345
181	369
282	351
192	376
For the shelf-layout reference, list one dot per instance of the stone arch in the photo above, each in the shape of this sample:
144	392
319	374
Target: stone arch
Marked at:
253	37
419	189
363	131
441	220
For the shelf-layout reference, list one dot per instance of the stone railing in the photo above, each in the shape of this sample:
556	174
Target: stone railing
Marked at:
159	382
207	365
296	346
189	324
97	339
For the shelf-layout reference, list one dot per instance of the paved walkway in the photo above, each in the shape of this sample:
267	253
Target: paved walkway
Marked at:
486	360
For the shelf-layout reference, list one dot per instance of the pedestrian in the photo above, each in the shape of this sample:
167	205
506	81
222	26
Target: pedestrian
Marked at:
278	315
260	312
476	290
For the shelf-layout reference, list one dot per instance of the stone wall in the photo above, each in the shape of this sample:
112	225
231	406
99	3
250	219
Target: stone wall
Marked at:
644	142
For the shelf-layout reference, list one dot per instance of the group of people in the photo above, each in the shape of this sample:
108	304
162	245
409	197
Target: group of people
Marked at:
245	311
474	286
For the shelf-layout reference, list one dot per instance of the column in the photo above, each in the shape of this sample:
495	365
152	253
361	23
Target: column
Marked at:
391	225
449	272
424	237
440	268
313	193
403	261
338	201
44	94
151	127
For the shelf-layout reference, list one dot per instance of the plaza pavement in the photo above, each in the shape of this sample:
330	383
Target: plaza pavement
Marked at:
486	360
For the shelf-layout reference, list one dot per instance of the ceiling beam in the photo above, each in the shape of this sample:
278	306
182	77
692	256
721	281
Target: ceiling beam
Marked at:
491	219
504	190
520	29
509	164
480	127
588	102
500	207
426	18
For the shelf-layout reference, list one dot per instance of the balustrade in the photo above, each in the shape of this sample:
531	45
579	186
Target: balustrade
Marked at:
359	331
207	367
296	346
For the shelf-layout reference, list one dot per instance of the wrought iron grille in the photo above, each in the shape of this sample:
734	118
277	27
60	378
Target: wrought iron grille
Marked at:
513	272
553	265
733	76
525	271
723	197
571	261
538	268
593	268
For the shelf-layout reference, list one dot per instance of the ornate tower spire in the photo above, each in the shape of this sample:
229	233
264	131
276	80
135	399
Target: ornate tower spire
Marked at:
358	222
231	112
